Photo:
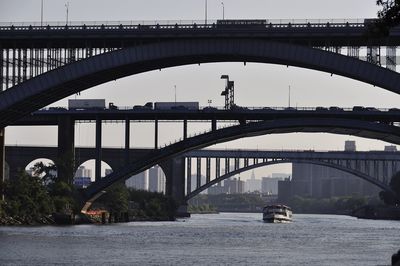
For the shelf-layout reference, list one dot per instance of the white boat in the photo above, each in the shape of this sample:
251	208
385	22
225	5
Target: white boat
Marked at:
277	214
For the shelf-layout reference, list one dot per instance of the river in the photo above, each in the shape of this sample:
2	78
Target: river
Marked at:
210	239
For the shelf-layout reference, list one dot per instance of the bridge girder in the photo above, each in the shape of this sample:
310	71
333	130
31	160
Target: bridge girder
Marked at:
337	126
59	83
359	174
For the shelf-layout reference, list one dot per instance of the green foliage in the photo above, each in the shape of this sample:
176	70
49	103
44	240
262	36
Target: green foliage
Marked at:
388	197
389	16
327	206
63	195
116	199
153	205
27	199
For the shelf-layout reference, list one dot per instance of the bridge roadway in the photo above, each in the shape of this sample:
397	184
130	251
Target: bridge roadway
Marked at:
316	33
51	117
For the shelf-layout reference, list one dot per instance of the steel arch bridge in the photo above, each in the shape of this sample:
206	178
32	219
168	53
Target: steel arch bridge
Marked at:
337	126
350	166
74	77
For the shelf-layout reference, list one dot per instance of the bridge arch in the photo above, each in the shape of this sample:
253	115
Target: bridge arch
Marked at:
75	77
338	126
257	165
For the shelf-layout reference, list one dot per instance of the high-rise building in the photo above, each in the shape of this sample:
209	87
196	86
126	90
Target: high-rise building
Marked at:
156	179
269	185
194	182
83	172
138	181
253	184
234	186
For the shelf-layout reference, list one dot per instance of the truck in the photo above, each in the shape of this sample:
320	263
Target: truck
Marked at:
86	104
176	106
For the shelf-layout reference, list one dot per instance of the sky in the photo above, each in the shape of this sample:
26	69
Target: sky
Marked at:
255	84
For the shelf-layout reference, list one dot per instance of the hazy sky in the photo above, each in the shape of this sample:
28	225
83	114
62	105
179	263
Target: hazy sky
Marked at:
255	84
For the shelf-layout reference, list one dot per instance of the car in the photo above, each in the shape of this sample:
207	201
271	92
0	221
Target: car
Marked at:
371	109
335	108
321	109
209	109
358	108
394	110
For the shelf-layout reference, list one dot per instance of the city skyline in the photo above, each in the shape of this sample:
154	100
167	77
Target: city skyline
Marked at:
256	84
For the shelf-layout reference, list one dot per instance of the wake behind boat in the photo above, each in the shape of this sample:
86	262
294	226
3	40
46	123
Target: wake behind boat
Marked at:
277	214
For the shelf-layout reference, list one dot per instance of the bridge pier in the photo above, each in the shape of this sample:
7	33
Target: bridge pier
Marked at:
98	149
174	170
2	158
66	149
156	134
127	140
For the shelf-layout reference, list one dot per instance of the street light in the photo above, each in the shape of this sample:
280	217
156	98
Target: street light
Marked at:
223	10
41	14
67	7
205	10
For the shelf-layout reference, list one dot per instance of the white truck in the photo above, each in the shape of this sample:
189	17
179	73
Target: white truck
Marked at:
176	106
86	104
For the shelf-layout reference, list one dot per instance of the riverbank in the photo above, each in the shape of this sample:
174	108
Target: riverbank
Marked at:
377	212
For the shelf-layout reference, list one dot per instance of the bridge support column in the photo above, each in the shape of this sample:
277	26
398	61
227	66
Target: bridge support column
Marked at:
127	140
66	149
213	124
185	129
2	159
98	149
156	134
174	170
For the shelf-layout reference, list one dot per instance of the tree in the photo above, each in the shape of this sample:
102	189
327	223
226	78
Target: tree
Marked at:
27	199
388	16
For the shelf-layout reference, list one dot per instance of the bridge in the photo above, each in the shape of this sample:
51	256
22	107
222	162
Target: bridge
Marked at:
375	167
83	56
43	64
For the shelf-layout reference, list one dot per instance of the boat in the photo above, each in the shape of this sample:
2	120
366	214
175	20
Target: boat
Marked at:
277	213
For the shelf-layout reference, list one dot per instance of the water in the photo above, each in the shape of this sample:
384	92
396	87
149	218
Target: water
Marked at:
214	239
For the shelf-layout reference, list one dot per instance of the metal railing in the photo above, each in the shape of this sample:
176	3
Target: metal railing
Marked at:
175	24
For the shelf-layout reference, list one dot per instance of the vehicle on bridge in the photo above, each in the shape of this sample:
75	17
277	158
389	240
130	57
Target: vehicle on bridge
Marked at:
86	104
241	23
277	214
176	106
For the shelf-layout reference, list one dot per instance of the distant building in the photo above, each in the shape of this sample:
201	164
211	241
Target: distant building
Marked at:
83	177
83	172
194	182
139	181
156	179
217	189
269	185
284	190
253	184
234	186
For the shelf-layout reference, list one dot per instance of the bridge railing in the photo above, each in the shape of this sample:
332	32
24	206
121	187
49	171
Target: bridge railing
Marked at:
172	24
221	108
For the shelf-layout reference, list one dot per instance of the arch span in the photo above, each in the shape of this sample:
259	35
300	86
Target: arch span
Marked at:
54	85
250	167
338	126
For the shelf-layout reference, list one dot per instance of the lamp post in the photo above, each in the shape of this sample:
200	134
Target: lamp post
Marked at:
223	10
67	9
41	15
205	10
